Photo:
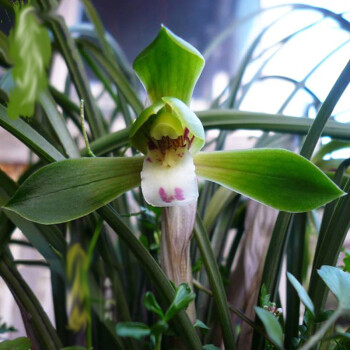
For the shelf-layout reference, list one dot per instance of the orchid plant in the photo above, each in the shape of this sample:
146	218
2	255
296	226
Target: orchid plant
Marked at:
170	136
166	162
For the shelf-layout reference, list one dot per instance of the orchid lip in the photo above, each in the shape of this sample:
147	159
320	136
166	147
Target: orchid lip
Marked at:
169	179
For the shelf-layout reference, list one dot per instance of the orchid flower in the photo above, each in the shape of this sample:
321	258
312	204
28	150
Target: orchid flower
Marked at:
170	136
168	132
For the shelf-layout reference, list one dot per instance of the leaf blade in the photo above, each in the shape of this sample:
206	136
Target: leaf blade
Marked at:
276	177
301	292
338	282
135	330
67	190
272	326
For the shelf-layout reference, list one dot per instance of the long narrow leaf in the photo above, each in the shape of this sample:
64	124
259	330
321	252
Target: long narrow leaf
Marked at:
215	283
76	69
276	177
57	122
73	188
232	120
29	137
115	73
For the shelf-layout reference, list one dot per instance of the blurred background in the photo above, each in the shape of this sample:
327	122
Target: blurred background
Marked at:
295	56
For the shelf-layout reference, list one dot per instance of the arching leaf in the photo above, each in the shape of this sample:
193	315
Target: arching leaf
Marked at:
72	188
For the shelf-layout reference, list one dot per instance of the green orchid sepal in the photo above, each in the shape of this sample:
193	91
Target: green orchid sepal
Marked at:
169	66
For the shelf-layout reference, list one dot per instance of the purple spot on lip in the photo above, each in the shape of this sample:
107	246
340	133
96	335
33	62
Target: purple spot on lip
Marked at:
164	196
179	194
149	159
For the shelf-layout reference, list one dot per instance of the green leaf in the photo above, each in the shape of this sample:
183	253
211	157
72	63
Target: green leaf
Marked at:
219	201
346	262
338	282
133	330
264	298
304	297
114	71
201	325
152	305
4	328
31	138
169	66
99	29
272	326
58	124
183	297
72	188
275	177
48	240
74	348
159	328
30	52
210	347
67	46
328	148
16	344
216	283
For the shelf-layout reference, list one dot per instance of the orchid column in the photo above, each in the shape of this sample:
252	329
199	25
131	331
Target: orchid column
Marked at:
169	134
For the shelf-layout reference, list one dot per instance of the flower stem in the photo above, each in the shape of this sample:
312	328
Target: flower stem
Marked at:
177	227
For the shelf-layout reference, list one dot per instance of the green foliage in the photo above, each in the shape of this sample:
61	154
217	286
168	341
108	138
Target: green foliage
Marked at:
183	296
272	326
73	188
338	282
4	328
30	52
203	327
346	261
152	305
210	347
304	297
16	344
264	299
133	329
276	177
